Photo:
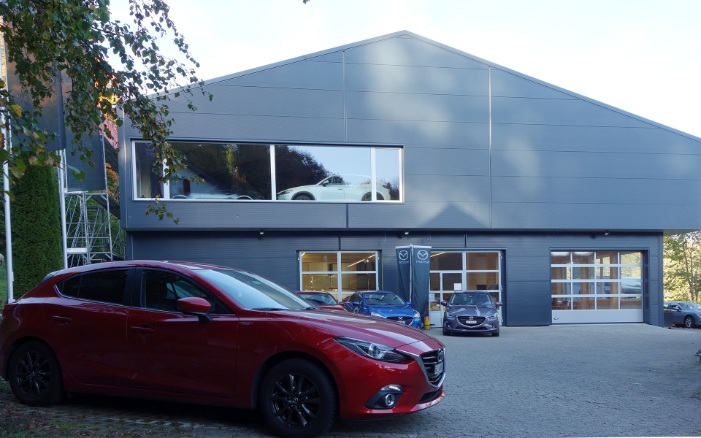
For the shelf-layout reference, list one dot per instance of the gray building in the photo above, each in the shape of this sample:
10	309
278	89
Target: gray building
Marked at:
312	171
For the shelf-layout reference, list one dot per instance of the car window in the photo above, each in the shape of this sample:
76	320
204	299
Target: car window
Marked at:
161	290
252	291
383	300
104	286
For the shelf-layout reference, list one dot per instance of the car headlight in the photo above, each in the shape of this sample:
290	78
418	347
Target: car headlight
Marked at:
284	192
492	316
372	350
377	315
449	315
417	314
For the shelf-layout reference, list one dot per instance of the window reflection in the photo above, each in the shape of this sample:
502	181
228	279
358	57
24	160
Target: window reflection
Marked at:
237	171
339	272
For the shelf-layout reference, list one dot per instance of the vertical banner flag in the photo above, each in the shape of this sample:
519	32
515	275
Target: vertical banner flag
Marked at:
414	264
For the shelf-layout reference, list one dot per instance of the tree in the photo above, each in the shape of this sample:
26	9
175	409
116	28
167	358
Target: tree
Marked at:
36	228
115	70
682	266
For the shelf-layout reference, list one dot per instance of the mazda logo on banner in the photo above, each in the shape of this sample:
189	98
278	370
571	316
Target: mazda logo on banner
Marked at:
414	265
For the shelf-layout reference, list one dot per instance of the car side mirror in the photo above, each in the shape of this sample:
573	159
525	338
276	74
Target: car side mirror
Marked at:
409	303
355	303
196	306
444	303
499	304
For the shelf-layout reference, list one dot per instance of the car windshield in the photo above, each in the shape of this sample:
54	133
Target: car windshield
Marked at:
320	298
690	306
474	299
252	291
383	299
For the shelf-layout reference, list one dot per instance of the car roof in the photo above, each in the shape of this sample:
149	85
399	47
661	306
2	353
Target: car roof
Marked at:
176	265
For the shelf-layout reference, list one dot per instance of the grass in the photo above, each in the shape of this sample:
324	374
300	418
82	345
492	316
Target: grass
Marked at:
3	286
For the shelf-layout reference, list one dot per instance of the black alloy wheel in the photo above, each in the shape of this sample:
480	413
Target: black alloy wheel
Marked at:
303	197
689	322
35	375
297	398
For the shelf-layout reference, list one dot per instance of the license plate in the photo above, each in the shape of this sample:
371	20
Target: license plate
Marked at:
470	322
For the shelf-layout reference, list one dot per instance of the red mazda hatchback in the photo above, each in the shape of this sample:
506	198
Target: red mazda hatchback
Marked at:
214	335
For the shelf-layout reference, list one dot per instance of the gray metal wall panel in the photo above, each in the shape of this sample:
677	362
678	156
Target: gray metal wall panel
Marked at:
574	112
309	74
410	51
417	107
267	129
600	190
464	159
415	132
508	84
416	79
585	164
633	141
435	215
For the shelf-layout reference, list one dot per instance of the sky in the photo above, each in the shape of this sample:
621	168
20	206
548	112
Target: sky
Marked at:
641	56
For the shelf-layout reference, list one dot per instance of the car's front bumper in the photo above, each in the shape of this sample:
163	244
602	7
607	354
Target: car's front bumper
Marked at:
453	325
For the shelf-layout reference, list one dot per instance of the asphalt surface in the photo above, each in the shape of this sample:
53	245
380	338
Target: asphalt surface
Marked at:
557	381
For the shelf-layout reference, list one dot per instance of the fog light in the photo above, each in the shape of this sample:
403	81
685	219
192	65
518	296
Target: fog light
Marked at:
386	398
389	400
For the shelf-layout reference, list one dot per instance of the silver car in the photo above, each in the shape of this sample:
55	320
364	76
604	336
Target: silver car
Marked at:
682	313
470	312
337	188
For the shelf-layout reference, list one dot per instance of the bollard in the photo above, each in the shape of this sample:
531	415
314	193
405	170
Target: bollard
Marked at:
427	323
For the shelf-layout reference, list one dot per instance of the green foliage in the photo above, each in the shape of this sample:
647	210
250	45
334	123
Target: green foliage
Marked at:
36	228
110	65
682	266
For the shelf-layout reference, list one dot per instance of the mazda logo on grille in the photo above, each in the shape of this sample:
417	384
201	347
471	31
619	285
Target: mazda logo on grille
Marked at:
400	319
471	318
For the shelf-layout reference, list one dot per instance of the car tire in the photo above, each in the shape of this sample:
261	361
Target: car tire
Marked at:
303	197
35	375
297	398
496	333
368	197
689	322
446	332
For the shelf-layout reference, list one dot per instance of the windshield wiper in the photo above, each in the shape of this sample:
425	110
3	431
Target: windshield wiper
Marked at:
269	309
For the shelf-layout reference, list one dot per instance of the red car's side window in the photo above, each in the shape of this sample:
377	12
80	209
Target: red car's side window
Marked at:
105	286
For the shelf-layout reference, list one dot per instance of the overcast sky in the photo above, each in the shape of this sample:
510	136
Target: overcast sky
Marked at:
642	56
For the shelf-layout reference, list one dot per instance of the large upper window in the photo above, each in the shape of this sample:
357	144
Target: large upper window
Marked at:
272	172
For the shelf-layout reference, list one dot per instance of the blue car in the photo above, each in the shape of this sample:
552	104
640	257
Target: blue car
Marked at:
383	304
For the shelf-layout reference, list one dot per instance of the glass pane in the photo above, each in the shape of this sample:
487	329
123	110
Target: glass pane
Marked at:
560	289
319	262
435	281
446	261
482	261
358	261
607	303
387	165
324	282
559	273
561	303
582	273
583	303
147	183
324	173
583	258
634	302
223	171
483	281
630	285
353	282
606	257
450	280
560	257
631	258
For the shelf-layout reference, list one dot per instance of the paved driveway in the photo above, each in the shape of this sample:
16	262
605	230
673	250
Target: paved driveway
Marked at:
557	381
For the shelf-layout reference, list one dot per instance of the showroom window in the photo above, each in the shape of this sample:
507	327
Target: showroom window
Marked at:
596	280
233	171
338	272
464	270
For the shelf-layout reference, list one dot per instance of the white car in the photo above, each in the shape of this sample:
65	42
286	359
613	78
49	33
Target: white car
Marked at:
337	188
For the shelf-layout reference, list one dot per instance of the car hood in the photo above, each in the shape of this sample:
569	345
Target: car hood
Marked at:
471	310
364	328
392	310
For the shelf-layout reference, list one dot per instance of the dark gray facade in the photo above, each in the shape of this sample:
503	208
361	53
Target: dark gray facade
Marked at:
492	160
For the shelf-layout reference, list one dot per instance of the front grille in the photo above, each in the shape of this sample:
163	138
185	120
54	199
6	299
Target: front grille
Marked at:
470	321
434	365
401	319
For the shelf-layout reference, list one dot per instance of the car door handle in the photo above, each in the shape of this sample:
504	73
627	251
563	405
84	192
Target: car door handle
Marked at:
143	329
62	320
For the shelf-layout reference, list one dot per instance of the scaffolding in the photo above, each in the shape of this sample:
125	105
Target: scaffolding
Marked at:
89	228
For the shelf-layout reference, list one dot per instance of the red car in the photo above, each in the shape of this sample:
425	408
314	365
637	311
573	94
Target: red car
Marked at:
214	335
322	300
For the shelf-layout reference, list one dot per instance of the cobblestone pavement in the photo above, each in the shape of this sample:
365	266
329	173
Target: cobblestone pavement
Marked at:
557	381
